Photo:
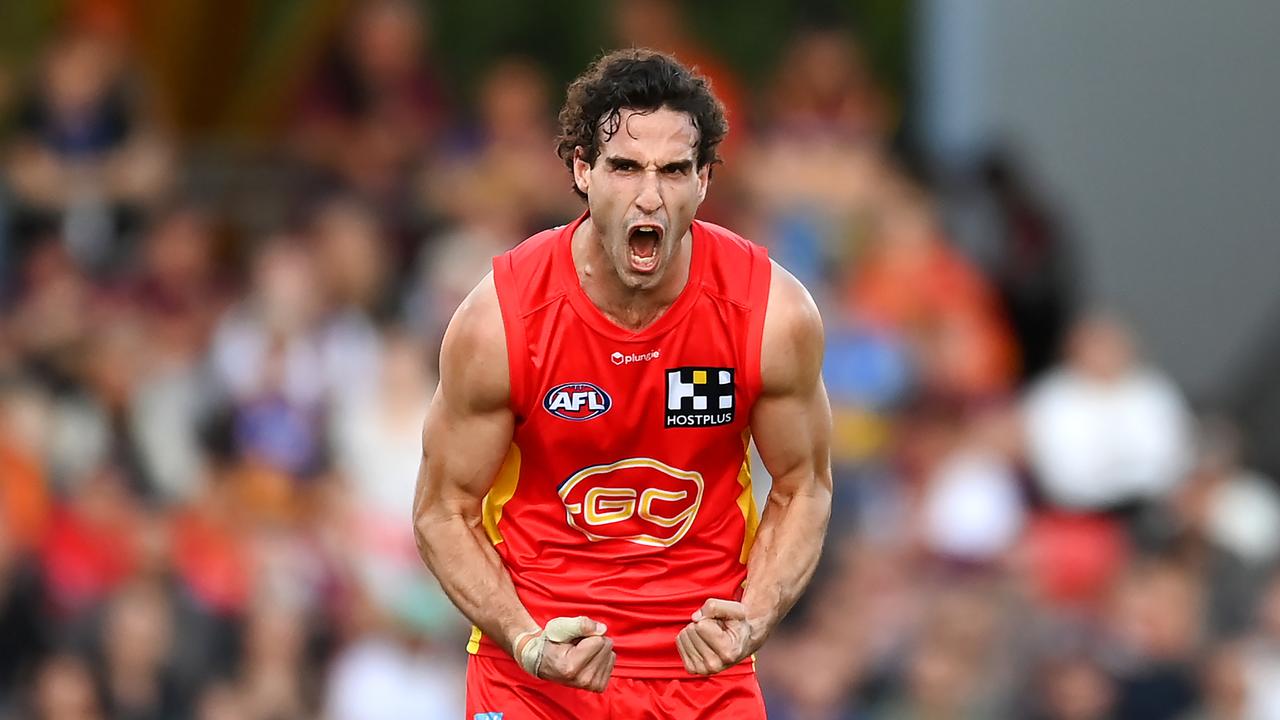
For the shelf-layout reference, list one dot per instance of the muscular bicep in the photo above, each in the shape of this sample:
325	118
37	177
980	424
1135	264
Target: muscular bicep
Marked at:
791	420
793	435
462	451
469	423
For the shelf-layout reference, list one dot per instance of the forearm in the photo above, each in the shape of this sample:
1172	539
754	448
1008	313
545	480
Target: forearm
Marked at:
472	575
784	555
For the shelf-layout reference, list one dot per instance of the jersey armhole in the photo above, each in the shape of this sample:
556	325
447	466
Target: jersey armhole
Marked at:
758	301
505	285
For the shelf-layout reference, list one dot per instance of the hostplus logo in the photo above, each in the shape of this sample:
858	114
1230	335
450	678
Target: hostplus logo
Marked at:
699	396
620	359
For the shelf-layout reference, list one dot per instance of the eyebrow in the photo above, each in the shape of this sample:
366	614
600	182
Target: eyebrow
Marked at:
618	161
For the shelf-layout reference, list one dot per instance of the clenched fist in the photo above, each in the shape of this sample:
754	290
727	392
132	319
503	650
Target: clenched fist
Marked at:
571	651
718	638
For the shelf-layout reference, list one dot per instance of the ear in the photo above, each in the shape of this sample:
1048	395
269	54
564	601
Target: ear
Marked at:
581	171
704	180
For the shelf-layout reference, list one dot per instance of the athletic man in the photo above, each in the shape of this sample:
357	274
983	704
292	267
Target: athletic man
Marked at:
585	492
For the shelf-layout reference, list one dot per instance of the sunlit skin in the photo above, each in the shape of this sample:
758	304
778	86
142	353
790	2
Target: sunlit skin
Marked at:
646	175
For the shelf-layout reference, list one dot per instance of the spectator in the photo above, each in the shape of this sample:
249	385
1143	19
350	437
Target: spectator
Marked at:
1157	626
274	669
380	678
1076	688
1104	429
85	159
24	629
1224	686
137	640
64	690
377	443
909	280
1261	655
662	25
93	545
972	505
377	104
505	152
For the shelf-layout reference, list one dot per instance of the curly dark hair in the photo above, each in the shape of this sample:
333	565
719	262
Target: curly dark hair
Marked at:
643	80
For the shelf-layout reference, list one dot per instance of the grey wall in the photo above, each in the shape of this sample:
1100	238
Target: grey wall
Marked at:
1156	127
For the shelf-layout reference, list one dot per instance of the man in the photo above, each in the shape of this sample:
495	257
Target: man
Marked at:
585	492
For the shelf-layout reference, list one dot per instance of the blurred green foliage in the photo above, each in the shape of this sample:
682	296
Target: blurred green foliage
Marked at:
230	69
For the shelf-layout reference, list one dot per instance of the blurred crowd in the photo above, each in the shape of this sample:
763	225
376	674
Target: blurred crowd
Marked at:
211	405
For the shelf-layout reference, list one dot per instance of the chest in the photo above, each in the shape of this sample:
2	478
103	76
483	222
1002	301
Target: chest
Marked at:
620	397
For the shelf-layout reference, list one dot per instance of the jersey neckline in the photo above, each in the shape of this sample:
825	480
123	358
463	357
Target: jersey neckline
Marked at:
592	315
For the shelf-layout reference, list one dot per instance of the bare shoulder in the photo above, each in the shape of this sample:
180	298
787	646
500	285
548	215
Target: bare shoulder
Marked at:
474	375
791	352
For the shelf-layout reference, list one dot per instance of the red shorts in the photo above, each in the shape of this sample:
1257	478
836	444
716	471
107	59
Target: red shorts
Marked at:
499	688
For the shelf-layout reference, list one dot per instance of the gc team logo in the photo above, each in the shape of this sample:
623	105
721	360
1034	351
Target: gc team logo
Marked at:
640	500
577	401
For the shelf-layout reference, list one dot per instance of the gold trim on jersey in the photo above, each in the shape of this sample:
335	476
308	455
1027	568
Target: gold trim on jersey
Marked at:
504	487
747	500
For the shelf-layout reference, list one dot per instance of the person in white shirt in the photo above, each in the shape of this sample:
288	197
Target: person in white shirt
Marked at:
1103	429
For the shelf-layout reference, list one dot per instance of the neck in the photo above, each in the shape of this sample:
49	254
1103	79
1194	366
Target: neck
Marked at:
631	308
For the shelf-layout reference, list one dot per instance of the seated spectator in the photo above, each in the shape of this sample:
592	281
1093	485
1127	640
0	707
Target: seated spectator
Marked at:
377	105
377	444
1224	686
972	506
908	279
1231	516
24	629
381	678
1104	429
1261	656
1075	688
825	87
137	642
93	545
279	359
1155	626
505	151
662	25
1236	509
64	689
24	492
85	157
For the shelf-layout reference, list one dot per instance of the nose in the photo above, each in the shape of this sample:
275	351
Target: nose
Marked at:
650	199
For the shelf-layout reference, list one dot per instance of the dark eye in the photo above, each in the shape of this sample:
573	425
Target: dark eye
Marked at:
676	169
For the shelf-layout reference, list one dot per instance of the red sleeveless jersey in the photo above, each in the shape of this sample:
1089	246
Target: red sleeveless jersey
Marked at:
626	493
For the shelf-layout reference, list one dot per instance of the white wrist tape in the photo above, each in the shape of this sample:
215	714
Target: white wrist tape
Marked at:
529	646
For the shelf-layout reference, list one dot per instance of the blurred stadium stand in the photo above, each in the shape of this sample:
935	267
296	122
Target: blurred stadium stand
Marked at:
1042	237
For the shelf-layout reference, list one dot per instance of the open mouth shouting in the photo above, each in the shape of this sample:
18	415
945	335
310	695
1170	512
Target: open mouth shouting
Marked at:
643	241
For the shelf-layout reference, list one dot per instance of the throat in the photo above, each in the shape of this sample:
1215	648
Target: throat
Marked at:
630	308
635	316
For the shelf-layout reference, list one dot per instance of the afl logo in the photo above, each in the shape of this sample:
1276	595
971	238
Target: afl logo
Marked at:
577	401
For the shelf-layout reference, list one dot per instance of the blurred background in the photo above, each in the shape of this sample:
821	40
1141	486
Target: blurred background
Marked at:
1042	236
